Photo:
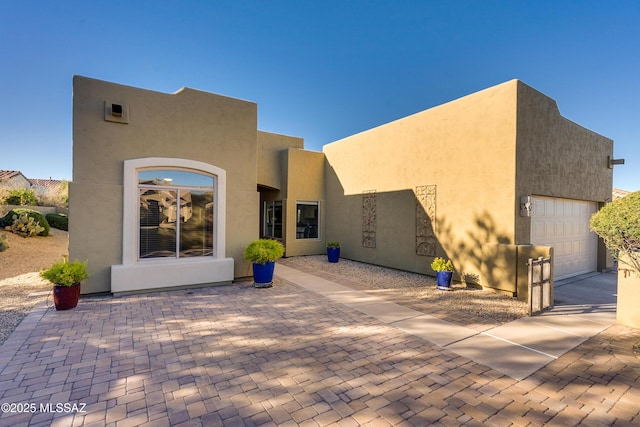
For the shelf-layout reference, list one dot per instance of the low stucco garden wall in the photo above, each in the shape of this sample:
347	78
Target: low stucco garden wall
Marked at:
628	298
44	210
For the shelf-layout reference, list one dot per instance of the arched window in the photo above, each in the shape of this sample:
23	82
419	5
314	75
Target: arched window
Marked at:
176	213
173	209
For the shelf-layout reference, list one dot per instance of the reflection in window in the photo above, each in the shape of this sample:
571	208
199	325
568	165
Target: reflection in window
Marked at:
307	220
272	219
176	214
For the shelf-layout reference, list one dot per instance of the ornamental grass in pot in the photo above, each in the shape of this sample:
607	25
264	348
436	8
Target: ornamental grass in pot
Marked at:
444	273
66	278
263	253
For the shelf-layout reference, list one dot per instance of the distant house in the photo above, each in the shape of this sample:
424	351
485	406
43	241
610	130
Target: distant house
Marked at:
168	189
13	180
44	188
16	180
617	193
45	184
48	192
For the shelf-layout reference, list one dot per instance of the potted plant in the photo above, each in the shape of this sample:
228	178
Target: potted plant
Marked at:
333	251
263	253
66	277
444	272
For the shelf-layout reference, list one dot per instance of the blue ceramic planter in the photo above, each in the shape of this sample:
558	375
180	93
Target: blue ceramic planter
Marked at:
444	280
263	274
333	254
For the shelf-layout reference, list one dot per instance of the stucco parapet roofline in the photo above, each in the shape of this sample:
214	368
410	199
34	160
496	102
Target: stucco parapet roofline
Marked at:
188	91
184	91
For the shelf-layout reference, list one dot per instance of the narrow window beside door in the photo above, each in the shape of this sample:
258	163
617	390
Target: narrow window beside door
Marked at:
272	226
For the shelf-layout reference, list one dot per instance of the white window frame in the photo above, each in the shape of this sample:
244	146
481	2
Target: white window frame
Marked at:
134	275
131	222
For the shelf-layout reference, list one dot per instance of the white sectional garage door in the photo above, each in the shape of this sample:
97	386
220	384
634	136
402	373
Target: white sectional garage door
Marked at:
564	224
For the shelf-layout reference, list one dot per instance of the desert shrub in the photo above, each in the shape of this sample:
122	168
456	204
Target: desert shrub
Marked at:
59	221
26	226
440	264
263	251
618	224
4	243
65	273
37	217
20	197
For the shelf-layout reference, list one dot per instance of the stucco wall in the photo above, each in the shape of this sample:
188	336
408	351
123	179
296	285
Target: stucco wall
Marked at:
505	267
44	210
558	158
304	182
627	312
466	148
190	125
270	167
15	183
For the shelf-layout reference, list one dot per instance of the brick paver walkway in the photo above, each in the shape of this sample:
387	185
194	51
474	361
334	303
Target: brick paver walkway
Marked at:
285	356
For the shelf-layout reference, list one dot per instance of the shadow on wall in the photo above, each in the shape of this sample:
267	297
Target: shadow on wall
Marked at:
376	227
474	263
406	229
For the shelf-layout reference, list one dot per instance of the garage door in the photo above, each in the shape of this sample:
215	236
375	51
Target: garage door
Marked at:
564	224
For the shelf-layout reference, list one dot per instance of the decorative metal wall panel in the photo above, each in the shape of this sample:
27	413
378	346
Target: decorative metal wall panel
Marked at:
369	219
426	220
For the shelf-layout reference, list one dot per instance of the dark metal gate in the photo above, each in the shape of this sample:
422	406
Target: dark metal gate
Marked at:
540	285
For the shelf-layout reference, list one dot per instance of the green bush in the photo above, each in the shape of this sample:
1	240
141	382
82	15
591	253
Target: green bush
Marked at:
263	251
66	273
37	216
4	244
21	197
618	224
25	226
59	221
440	264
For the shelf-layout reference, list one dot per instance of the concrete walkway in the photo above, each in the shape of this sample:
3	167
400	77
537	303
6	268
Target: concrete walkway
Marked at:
516	349
288	356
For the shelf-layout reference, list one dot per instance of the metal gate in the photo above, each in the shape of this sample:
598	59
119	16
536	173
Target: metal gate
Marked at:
540	285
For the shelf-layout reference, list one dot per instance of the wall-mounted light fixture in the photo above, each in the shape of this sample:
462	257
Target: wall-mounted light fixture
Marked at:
613	162
526	206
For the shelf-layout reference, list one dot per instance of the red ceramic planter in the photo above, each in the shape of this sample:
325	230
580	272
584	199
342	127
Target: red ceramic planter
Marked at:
66	297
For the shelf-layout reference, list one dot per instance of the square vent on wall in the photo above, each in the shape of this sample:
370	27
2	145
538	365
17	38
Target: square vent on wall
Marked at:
116	112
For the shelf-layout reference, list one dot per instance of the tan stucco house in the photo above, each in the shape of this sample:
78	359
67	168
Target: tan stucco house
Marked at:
168	189
13	180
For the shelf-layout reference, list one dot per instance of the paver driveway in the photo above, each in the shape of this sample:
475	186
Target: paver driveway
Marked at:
285	356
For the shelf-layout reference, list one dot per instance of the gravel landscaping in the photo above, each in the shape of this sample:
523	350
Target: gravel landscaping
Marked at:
20	284
462	305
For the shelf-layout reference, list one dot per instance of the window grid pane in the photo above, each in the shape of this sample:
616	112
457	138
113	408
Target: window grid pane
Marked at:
196	226
157	235
272	219
175	217
307	220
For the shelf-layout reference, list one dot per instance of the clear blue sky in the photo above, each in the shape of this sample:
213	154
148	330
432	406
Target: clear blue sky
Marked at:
321	70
